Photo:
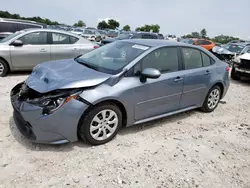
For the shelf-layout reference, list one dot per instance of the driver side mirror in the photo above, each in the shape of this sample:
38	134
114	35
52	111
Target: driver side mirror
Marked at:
17	43
149	73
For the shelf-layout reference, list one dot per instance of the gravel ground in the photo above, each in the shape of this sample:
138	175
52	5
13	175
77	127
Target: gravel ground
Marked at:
191	149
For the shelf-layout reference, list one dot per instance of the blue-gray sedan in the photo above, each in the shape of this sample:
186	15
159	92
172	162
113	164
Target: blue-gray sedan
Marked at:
120	84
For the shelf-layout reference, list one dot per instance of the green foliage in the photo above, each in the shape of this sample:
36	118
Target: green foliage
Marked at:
203	33
223	39
112	24
147	28
126	28
80	23
6	14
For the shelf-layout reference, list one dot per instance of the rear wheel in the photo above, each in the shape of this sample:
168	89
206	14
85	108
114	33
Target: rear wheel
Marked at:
212	99
4	68
100	124
235	74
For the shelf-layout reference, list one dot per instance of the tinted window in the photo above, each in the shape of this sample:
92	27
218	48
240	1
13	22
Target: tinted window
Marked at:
147	36
206	59
73	40
8	27
163	59
192	58
26	26
59	38
36	38
136	36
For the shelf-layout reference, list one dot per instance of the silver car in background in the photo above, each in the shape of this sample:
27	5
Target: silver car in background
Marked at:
25	49
92	35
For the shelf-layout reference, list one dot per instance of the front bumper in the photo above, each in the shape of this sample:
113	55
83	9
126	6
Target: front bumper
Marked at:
57	128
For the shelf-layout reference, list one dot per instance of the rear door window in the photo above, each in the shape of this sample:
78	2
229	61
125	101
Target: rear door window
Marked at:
192	58
59	38
73	40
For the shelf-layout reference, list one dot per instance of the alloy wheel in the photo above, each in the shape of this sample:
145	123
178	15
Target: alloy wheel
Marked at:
213	98
104	125
1	68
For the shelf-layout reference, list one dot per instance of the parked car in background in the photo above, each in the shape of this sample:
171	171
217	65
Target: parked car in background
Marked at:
241	65
77	30
9	26
171	37
132	35
207	44
92	35
187	40
237	41
103	33
112	33
160	36
27	48
121	84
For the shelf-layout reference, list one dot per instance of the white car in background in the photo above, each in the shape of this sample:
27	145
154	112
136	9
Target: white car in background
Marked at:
77	30
171	37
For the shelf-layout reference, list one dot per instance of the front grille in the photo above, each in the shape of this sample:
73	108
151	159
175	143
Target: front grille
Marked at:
245	64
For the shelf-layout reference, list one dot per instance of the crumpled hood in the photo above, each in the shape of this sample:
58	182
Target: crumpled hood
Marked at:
221	50
63	74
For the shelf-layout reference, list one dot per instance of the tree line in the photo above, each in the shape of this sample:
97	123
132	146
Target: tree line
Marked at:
114	24
223	39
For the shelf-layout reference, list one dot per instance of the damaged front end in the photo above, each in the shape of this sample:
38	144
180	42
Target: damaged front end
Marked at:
242	65
50	117
223	54
49	102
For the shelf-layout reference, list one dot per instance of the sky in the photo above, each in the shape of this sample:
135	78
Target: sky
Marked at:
228	17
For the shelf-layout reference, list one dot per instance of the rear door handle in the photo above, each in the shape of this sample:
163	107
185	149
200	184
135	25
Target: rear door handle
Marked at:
178	79
207	72
43	50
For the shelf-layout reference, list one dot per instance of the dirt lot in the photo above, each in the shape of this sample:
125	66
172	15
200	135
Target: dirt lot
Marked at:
192	149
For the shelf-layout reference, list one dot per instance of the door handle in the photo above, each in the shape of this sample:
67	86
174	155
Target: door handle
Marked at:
207	72
178	79
43	50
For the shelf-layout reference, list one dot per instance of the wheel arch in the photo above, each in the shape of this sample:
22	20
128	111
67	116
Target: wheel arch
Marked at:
220	84
3	59
116	102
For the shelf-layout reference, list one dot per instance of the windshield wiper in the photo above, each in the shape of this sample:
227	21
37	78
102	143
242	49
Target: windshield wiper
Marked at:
86	64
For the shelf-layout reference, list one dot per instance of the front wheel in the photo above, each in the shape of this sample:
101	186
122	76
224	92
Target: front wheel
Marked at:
100	124
4	69
212	99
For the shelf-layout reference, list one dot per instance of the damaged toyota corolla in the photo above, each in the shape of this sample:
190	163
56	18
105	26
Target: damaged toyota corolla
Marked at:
120	84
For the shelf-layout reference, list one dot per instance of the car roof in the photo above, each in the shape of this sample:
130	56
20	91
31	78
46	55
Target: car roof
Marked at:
240	44
157	42
50	30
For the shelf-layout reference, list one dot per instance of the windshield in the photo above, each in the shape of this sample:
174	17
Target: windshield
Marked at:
102	32
78	30
11	36
234	48
124	36
246	50
113	57
112	33
87	31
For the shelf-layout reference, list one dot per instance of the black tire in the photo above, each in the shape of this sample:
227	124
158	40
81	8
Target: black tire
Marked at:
234	74
85	123
205	107
4	68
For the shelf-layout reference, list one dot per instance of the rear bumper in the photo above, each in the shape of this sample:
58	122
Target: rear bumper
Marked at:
57	128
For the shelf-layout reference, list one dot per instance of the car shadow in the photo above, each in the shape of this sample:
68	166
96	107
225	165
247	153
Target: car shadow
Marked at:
42	147
19	73
243	82
155	123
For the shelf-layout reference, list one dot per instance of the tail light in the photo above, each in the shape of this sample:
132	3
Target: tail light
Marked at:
228	69
96	47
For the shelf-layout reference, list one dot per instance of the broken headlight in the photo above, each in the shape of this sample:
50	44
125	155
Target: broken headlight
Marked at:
52	103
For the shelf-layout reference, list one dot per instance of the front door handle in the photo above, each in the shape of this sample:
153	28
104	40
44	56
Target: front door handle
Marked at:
207	72
178	79
43	50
